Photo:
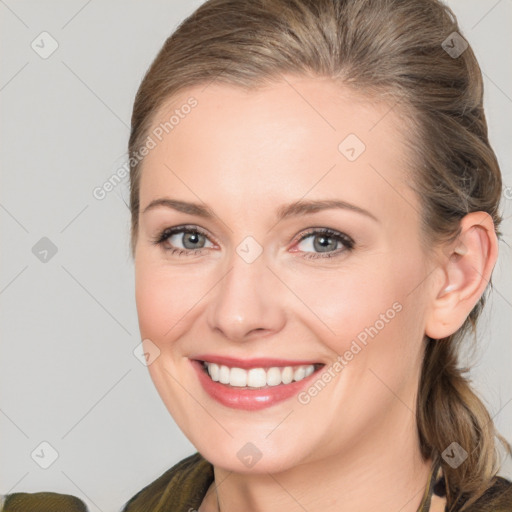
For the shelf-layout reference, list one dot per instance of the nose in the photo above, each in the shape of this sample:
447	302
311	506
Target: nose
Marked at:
246	304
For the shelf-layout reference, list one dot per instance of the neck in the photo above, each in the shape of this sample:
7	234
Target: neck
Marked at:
383	472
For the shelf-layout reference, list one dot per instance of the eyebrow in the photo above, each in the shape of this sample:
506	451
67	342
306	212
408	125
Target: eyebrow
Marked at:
289	210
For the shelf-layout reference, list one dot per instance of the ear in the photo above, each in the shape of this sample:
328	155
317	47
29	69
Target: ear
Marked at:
465	271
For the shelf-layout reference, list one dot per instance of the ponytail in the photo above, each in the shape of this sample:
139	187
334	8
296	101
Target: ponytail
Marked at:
449	411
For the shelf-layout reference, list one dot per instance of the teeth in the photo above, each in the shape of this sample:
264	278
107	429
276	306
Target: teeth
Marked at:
214	371
273	376
238	377
299	373
287	375
257	377
224	375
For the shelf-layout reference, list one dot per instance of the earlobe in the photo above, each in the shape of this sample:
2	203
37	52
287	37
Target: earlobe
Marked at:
466	273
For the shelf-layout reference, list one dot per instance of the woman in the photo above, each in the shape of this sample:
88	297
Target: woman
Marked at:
314	224
315	221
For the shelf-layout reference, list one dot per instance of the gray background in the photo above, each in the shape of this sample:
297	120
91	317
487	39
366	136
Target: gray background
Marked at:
68	374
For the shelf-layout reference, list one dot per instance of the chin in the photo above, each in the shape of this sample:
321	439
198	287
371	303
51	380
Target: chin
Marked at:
250	458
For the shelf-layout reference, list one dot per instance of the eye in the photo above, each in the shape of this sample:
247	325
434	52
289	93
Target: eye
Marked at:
326	241
191	240
184	240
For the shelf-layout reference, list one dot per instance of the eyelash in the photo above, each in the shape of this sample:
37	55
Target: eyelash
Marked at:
342	237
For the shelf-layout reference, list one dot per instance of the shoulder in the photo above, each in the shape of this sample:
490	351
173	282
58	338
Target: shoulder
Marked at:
497	498
38	501
182	487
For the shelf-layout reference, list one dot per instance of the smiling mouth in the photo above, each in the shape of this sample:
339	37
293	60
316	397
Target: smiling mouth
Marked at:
258	378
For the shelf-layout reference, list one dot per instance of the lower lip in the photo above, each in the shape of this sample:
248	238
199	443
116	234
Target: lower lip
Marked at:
248	399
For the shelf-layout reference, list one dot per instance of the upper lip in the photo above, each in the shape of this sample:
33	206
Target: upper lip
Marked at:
258	362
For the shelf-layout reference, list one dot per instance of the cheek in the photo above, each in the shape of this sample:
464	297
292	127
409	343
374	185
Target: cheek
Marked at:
364	301
343	304
164	298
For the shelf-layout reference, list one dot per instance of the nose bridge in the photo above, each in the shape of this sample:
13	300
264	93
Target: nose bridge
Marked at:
246	298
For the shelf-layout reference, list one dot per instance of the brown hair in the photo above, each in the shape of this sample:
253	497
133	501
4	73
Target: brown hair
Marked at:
396	51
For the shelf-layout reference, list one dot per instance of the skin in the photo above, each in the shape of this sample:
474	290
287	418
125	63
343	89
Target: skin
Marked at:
354	446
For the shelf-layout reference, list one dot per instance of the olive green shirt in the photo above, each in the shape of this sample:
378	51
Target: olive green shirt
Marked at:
183	487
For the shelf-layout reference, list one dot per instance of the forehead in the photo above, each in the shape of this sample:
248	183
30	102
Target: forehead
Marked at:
297	136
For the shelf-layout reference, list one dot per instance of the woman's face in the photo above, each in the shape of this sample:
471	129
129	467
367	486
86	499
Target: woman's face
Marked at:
259	287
